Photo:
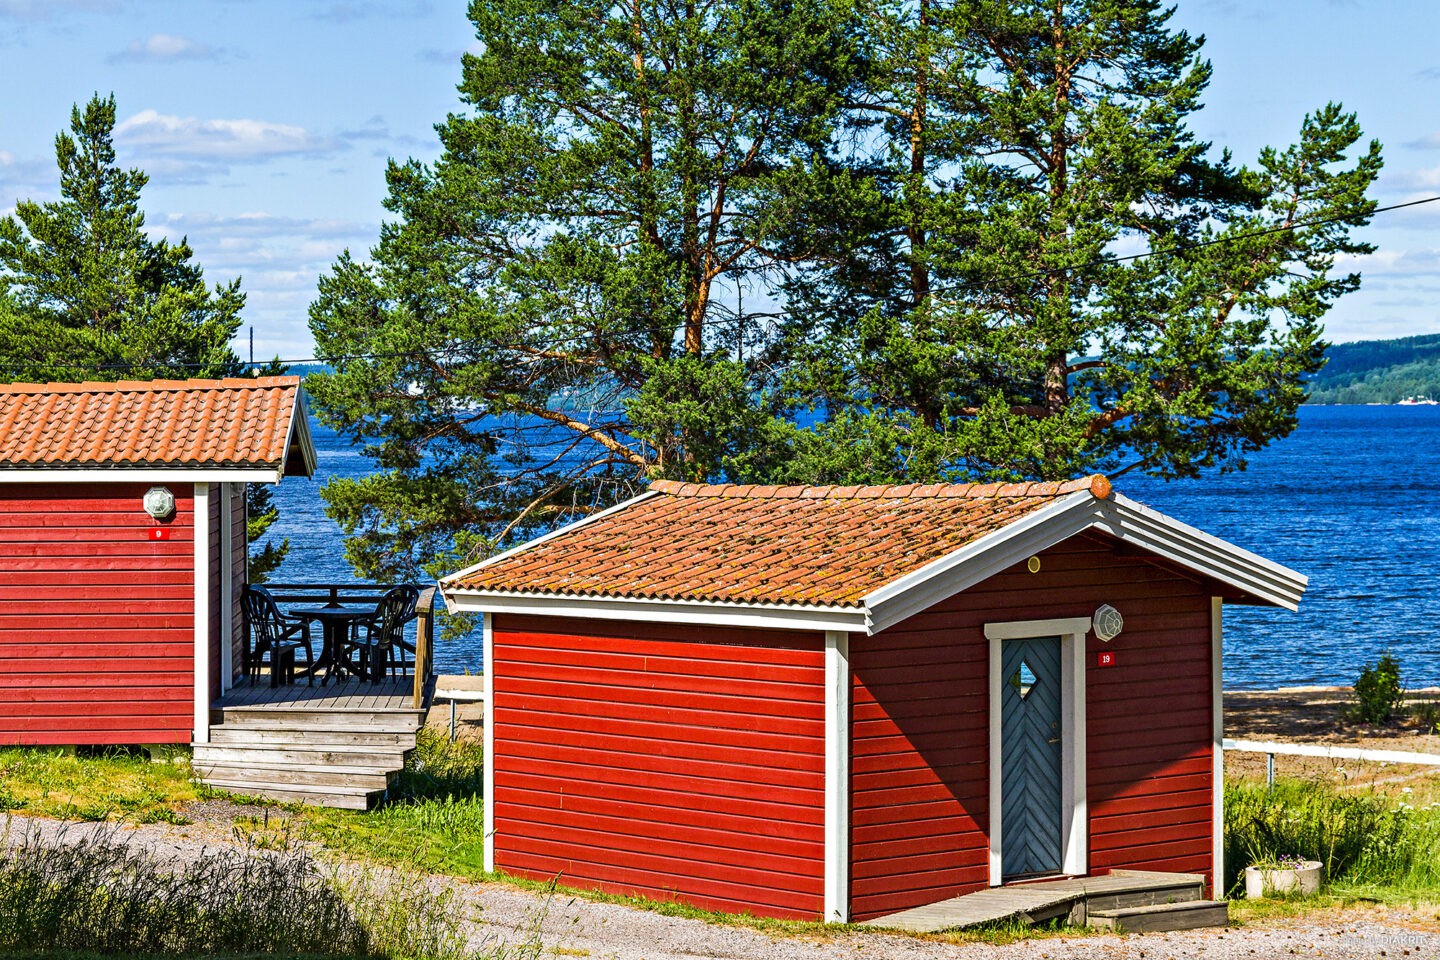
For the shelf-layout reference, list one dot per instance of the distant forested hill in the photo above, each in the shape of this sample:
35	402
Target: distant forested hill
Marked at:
1379	371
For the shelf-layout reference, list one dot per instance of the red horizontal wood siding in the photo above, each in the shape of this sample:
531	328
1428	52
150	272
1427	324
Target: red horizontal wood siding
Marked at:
96	619
920	815
673	762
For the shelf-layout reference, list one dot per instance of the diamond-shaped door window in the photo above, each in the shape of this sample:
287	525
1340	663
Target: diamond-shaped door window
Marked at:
1023	680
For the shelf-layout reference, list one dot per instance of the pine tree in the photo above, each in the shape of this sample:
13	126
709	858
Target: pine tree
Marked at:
91	296
86	295
1038	347
547	320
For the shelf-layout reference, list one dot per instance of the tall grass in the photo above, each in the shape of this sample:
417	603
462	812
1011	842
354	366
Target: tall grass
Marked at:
441	768
1364	841
91	892
433	819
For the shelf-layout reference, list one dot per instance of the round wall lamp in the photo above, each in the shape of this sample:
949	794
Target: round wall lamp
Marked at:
1033	564
159	502
1108	622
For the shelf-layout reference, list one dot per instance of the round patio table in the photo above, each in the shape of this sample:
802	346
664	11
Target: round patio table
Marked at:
335	622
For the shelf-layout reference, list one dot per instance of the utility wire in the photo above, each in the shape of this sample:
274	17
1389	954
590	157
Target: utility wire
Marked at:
1187	247
739	320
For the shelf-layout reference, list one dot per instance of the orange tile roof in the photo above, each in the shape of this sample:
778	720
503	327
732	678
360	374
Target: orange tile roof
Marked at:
157	423
822	546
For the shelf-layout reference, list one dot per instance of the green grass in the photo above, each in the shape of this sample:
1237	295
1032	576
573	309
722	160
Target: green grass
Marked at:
94	784
1374	846
434	821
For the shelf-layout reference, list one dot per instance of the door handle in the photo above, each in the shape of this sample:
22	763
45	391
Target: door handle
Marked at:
1055	740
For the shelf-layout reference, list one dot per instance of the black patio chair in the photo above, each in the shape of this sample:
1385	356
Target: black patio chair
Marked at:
277	635
377	640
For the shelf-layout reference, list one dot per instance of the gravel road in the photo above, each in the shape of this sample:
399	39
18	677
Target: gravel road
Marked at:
573	927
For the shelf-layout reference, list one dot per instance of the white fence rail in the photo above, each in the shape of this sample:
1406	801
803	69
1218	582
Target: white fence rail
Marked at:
1328	751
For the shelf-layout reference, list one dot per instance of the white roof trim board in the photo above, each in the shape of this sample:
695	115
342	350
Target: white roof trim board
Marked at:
1118	516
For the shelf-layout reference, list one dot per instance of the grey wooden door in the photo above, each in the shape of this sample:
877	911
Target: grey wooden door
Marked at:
1031	737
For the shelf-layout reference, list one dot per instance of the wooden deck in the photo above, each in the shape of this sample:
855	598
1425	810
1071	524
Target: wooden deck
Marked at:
1048	899
387	695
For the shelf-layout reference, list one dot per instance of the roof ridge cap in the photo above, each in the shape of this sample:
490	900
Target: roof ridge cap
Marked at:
1096	484
151	386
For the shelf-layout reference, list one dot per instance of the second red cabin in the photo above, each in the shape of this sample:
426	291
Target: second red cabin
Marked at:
841	702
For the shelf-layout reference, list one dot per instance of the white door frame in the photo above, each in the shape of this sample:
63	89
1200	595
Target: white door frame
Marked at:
1074	829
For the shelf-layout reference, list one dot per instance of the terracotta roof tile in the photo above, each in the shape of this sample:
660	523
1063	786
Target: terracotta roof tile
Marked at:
824	546
186	423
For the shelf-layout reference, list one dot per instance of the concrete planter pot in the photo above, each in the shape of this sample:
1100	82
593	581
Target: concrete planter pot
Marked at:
1264	881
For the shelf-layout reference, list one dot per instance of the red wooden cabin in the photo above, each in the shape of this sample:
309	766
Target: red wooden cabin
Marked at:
841	702
122	550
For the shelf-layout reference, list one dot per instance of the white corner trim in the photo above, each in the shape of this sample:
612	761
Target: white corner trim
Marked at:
227	586
201	518
1074	763
487	776
770	616
1217	723
1075	828
837	777
997	863
530	544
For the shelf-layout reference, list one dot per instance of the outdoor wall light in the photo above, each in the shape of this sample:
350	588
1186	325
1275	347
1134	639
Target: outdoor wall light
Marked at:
159	502
1108	622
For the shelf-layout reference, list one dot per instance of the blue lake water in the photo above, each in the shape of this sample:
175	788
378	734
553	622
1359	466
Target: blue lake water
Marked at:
1349	499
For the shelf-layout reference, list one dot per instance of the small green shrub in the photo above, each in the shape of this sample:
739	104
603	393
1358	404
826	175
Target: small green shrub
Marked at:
1378	691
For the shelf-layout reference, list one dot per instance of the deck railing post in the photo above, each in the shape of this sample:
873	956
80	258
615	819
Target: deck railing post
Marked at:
424	643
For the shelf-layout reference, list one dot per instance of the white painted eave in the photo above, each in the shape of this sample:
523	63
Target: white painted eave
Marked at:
118	474
1261	580
299	433
978	560
774	616
1265	580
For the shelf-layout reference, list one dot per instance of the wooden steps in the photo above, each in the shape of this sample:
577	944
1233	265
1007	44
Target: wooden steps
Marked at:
334	747
1158	917
1125	900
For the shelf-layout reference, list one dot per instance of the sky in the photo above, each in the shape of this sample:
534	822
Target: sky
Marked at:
266	125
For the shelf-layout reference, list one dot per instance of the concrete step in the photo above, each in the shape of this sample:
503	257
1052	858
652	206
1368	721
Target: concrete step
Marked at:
1154	918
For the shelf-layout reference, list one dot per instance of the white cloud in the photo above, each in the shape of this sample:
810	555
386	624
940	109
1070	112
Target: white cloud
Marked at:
219	141
279	260
165	48
1429	142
